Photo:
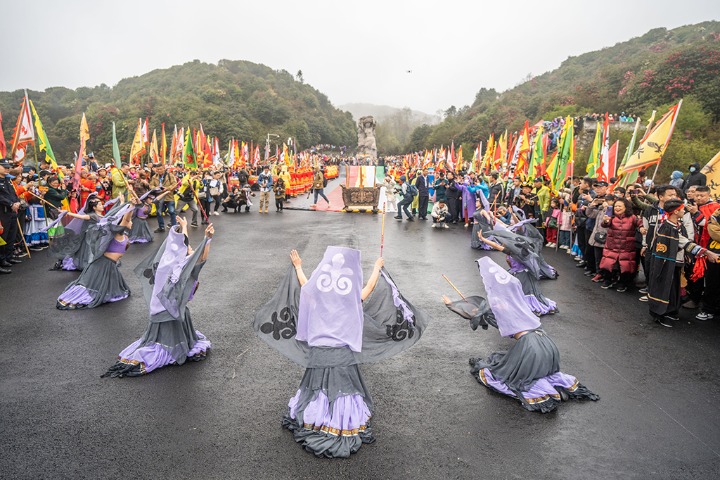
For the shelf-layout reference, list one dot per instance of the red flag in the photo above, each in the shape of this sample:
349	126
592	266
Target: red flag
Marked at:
3	145
24	131
146	137
612	159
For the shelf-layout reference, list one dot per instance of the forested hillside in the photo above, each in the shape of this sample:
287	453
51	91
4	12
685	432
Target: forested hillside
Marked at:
650	72
231	99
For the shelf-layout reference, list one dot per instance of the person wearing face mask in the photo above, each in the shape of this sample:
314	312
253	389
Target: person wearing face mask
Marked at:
695	177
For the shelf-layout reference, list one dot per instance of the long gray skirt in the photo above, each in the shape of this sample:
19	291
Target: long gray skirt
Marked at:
140	232
100	282
330	413
166	341
530	372
538	303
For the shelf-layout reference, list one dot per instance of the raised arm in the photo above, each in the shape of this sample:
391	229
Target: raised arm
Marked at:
297	263
79	215
209	232
372	281
489	242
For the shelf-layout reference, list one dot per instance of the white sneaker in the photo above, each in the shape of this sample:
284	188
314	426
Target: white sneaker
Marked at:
704	316
433	226
445	226
216	213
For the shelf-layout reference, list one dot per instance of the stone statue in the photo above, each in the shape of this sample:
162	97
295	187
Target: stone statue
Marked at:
367	147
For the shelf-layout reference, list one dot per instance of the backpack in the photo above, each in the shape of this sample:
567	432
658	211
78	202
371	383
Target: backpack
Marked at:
412	190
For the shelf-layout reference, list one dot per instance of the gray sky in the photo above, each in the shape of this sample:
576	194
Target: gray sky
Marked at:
351	51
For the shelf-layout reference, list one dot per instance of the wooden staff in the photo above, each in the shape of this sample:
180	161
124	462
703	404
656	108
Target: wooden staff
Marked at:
454	287
22	235
382	231
43	201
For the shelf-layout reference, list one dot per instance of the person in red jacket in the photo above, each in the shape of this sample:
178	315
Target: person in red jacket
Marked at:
618	258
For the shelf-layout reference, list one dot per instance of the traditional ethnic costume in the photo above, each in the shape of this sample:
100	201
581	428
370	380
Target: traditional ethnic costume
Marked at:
527	263
325	327
71	247
667	254
140	232
169	278
100	281
35	233
530	370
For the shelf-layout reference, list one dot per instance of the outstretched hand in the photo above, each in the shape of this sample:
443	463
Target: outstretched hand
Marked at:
209	231
295	258
182	222
446	300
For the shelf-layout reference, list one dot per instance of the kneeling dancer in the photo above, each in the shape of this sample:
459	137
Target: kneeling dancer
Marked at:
170	278
329	324
530	370
101	281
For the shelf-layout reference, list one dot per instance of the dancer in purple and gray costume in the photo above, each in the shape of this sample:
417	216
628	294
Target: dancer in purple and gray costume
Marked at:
169	278
530	370
101	281
330	324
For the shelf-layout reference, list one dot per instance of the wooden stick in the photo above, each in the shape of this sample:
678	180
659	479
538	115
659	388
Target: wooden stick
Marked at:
453	286
22	235
43	201
382	231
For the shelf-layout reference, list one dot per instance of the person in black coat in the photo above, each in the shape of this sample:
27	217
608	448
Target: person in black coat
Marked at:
496	191
453	194
9	208
694	178
423	194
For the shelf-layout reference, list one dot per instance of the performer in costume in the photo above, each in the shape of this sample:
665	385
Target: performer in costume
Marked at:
71	247
667	256
530	370
169	277
526	266
101	281
330	324
140	232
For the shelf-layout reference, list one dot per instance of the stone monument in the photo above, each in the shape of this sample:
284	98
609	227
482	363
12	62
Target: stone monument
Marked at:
367	147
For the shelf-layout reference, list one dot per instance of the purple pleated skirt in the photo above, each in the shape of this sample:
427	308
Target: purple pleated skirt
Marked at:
155	355
330	413
100	282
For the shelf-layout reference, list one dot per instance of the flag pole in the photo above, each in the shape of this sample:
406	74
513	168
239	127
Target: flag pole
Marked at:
22	235
453	286
382	231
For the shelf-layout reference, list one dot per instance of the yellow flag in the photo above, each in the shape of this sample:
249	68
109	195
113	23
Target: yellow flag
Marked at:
84	130
653	146
154	148
138	147
712	172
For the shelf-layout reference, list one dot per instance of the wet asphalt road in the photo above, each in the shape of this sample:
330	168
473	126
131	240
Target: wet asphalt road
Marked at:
658	416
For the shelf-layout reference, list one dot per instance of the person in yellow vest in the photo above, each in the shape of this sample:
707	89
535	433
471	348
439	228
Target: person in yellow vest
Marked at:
120	180
188	193
285	175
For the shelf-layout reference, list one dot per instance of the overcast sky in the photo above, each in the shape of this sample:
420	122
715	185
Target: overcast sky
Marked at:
351	51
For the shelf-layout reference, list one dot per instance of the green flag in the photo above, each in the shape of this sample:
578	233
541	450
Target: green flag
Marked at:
538	154
189	157
43	142
565	154
116	149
